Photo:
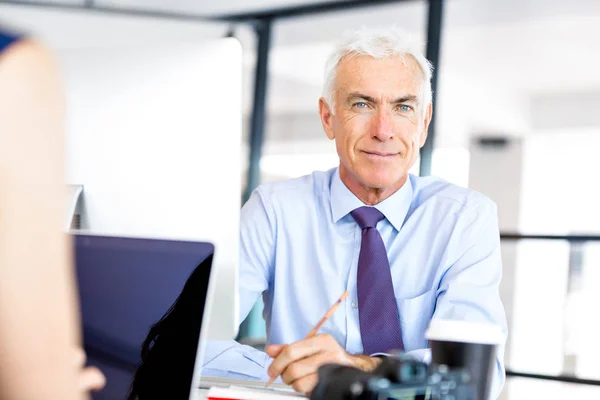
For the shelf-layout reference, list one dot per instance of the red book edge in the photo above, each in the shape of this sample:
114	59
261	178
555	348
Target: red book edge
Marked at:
220	398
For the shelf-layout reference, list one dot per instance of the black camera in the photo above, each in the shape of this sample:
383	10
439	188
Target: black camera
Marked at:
397	378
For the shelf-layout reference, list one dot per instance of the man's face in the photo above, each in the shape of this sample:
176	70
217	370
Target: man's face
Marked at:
380	120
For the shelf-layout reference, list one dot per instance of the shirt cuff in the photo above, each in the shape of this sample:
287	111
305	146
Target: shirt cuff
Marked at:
422	355
379	355
228	359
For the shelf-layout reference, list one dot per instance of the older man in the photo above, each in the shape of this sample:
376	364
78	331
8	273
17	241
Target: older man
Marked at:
406	248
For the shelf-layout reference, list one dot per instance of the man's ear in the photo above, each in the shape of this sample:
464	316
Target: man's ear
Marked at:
426	121
326	118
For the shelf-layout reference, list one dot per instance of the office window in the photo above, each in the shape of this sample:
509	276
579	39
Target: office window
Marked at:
518	91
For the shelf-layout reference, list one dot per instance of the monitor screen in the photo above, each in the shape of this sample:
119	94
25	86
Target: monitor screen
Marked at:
142	305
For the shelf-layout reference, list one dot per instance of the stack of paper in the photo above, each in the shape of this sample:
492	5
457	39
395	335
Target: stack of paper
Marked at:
242	393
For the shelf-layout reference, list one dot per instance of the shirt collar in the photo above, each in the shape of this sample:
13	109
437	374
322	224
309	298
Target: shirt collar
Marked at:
395	207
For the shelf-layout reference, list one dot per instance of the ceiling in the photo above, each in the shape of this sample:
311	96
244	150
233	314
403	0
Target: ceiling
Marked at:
208	7
464	12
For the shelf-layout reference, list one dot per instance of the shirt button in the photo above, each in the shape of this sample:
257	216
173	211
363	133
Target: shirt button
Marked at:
354	305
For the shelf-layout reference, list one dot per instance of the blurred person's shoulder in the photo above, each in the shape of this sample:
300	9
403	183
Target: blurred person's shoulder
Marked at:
31	90
440	194
18	47
27	65
298	192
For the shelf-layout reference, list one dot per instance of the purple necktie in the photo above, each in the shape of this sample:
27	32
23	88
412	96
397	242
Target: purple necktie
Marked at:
377	310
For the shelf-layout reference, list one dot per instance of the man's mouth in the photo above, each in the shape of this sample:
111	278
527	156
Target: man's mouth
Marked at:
380	154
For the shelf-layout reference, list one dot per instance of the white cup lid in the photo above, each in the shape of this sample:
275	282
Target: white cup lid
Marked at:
447	330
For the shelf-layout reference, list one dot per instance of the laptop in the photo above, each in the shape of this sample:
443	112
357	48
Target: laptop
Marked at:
142	304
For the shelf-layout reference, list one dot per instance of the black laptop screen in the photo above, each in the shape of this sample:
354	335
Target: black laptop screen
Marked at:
142	302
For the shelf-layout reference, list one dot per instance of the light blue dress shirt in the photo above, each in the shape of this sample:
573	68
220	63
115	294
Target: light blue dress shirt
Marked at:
300	246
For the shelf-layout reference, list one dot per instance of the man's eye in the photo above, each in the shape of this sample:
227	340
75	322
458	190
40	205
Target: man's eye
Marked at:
404	108
360	104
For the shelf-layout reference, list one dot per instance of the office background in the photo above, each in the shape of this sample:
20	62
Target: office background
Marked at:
516	118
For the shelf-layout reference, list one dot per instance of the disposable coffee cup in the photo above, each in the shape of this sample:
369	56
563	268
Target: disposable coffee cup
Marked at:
466	345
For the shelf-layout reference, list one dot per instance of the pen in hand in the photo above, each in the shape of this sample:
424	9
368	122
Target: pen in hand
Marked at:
320	324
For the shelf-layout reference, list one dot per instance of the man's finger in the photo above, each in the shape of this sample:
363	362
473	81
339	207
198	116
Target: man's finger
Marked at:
294	352
307	366
274	350
91	378
306	384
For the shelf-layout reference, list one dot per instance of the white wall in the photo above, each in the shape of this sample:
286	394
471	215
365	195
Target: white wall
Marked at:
154	136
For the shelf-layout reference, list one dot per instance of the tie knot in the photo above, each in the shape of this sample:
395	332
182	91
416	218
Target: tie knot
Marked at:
367	217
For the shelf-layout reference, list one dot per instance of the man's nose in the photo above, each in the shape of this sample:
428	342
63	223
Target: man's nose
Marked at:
382	128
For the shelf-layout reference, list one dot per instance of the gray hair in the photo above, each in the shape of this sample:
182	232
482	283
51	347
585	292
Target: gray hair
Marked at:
379	44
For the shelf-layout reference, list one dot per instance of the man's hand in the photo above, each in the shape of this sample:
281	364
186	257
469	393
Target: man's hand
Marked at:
298	362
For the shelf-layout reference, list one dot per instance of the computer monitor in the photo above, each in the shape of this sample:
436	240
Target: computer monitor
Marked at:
142	305
154	139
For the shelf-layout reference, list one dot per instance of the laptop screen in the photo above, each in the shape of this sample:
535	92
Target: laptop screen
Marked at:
142	303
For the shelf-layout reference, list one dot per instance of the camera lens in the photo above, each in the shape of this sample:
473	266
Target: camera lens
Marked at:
337	382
